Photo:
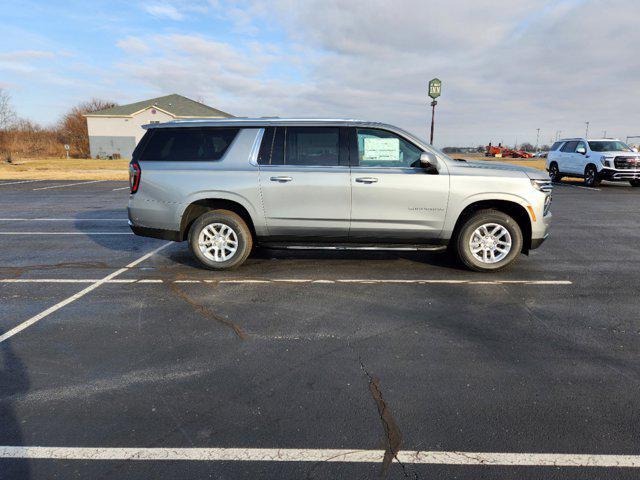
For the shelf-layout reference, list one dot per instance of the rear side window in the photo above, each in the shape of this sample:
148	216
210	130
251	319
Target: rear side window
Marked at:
187	144
312	146
556	146
569	147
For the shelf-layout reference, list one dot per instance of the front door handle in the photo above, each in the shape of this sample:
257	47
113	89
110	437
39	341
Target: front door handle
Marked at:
366	180
281	179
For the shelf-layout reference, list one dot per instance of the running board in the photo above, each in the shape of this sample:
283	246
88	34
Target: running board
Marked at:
404	248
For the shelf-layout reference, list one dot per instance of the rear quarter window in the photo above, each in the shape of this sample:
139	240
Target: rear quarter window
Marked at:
186	144
556	146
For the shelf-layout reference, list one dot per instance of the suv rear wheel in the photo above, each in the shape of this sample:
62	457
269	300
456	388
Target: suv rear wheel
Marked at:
591	178
489	240
554	172
220	240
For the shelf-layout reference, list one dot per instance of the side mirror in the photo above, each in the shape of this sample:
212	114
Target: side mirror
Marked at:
581	150
428	160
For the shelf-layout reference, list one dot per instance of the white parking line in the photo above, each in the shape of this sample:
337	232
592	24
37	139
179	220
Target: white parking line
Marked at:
123	188
21	181
66	233
322	455
73	298
63	219
295	280
69	185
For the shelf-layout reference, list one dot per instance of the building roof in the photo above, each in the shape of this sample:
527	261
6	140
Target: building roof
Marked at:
174	104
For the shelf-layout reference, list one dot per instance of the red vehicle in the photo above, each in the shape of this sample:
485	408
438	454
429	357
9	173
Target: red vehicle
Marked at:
500	151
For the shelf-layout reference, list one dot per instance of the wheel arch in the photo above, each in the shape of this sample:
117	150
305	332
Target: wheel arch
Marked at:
203	205
514	209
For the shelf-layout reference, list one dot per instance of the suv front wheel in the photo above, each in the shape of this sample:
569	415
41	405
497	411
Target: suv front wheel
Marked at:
220	240
554	173
591	177
489	240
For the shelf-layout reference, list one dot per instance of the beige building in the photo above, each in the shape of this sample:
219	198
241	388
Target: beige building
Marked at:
116	131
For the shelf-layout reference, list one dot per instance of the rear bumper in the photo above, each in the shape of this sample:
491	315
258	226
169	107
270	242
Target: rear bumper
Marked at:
155	233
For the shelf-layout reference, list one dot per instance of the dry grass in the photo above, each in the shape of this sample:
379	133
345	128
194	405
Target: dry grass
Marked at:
538	163
64	169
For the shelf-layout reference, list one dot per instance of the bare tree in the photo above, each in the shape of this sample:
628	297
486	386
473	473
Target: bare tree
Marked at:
73	125
7	113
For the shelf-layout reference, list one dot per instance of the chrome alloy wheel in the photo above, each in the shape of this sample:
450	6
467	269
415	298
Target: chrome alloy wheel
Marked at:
490	243
218	242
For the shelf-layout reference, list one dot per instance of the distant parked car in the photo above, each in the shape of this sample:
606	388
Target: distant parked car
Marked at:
541	154
226	185
594	160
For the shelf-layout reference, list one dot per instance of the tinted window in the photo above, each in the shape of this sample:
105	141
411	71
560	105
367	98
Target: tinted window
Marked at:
581	144
378	148
272	147
188	144
609	146
266	147
569	147
312	146
556	146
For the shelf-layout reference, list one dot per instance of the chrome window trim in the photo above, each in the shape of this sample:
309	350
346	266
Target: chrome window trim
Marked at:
255	149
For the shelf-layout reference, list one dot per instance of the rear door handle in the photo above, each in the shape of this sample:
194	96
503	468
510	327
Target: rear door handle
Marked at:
281	179
366	180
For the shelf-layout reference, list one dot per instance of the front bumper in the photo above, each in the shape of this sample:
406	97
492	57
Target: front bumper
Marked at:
536	242
615	175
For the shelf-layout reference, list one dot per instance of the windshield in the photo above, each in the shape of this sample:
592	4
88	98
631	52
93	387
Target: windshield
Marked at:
609	146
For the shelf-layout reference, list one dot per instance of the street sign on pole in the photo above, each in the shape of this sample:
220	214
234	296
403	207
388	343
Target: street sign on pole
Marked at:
435	88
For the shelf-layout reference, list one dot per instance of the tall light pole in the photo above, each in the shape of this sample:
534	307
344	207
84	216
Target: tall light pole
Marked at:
435	88
586	133
537	138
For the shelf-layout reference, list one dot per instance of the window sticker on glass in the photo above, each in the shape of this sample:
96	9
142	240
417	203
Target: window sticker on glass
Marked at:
381	149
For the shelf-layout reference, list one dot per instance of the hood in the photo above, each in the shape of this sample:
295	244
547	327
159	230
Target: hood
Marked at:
617	154
531	172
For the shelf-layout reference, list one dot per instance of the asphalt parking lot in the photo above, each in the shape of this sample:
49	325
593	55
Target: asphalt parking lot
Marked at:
314	364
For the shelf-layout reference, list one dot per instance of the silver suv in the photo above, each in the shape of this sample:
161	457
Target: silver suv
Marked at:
227	185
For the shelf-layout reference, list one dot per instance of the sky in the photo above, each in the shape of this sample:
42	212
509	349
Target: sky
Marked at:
507	67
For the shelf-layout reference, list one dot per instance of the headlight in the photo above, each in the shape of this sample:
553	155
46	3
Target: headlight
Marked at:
605	161
542	185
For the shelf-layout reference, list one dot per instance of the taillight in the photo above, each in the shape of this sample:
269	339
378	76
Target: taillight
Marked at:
134	175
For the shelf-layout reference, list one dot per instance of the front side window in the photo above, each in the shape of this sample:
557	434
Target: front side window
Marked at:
188	144
569	147
311	146
581	147
379	148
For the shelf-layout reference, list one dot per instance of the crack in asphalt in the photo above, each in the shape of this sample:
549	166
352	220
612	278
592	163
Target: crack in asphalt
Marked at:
393	436
208	313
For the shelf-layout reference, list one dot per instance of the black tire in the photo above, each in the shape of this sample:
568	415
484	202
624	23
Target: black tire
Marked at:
554	173
591	177
475	221
635	183
236	224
